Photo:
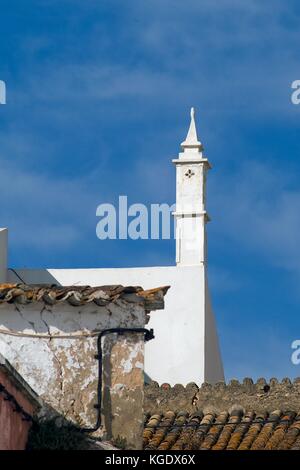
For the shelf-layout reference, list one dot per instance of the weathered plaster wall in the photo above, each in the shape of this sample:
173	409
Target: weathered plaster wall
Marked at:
64	372
261	396
14	430
186	347
123	395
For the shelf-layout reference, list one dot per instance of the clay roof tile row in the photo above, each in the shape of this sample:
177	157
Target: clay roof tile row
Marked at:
233	430
152	299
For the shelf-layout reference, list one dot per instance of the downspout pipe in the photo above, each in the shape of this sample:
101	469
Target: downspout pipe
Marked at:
148	334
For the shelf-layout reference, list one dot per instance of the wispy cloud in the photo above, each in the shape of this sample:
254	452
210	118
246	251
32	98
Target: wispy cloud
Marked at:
258	207
195	52
42	212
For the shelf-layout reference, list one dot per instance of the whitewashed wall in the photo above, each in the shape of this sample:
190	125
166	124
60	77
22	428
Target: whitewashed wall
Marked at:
185	348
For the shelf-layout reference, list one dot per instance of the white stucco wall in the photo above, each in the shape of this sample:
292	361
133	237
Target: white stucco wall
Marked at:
179	353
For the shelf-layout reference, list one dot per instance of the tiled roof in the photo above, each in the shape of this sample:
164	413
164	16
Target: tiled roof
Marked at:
152	299
233	430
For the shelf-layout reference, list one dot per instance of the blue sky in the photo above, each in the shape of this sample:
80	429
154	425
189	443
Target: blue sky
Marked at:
98	98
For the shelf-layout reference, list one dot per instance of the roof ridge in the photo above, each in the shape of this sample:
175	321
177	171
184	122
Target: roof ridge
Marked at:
152	299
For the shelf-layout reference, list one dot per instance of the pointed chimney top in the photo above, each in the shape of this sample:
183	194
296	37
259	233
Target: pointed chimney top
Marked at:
191	141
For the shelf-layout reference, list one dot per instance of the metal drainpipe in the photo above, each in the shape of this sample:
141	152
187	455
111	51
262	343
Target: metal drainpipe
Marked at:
148	336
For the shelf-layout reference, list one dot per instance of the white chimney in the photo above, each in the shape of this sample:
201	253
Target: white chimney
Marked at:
191	215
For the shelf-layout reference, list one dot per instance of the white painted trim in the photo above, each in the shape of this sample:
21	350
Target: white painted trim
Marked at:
181	161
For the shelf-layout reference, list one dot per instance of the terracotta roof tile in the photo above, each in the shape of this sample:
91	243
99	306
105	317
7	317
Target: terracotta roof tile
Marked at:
254	430
280	432
235	430
291	434
152	299
240	431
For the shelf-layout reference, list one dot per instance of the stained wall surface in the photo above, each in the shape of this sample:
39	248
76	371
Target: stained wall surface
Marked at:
64	372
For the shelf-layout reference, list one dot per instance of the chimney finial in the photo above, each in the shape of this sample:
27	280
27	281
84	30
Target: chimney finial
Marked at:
191	141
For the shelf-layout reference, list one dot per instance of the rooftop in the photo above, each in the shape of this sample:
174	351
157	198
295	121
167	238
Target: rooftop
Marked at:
229	430
233	416
152	299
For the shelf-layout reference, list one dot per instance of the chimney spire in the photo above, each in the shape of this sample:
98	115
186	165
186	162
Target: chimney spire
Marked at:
191	141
